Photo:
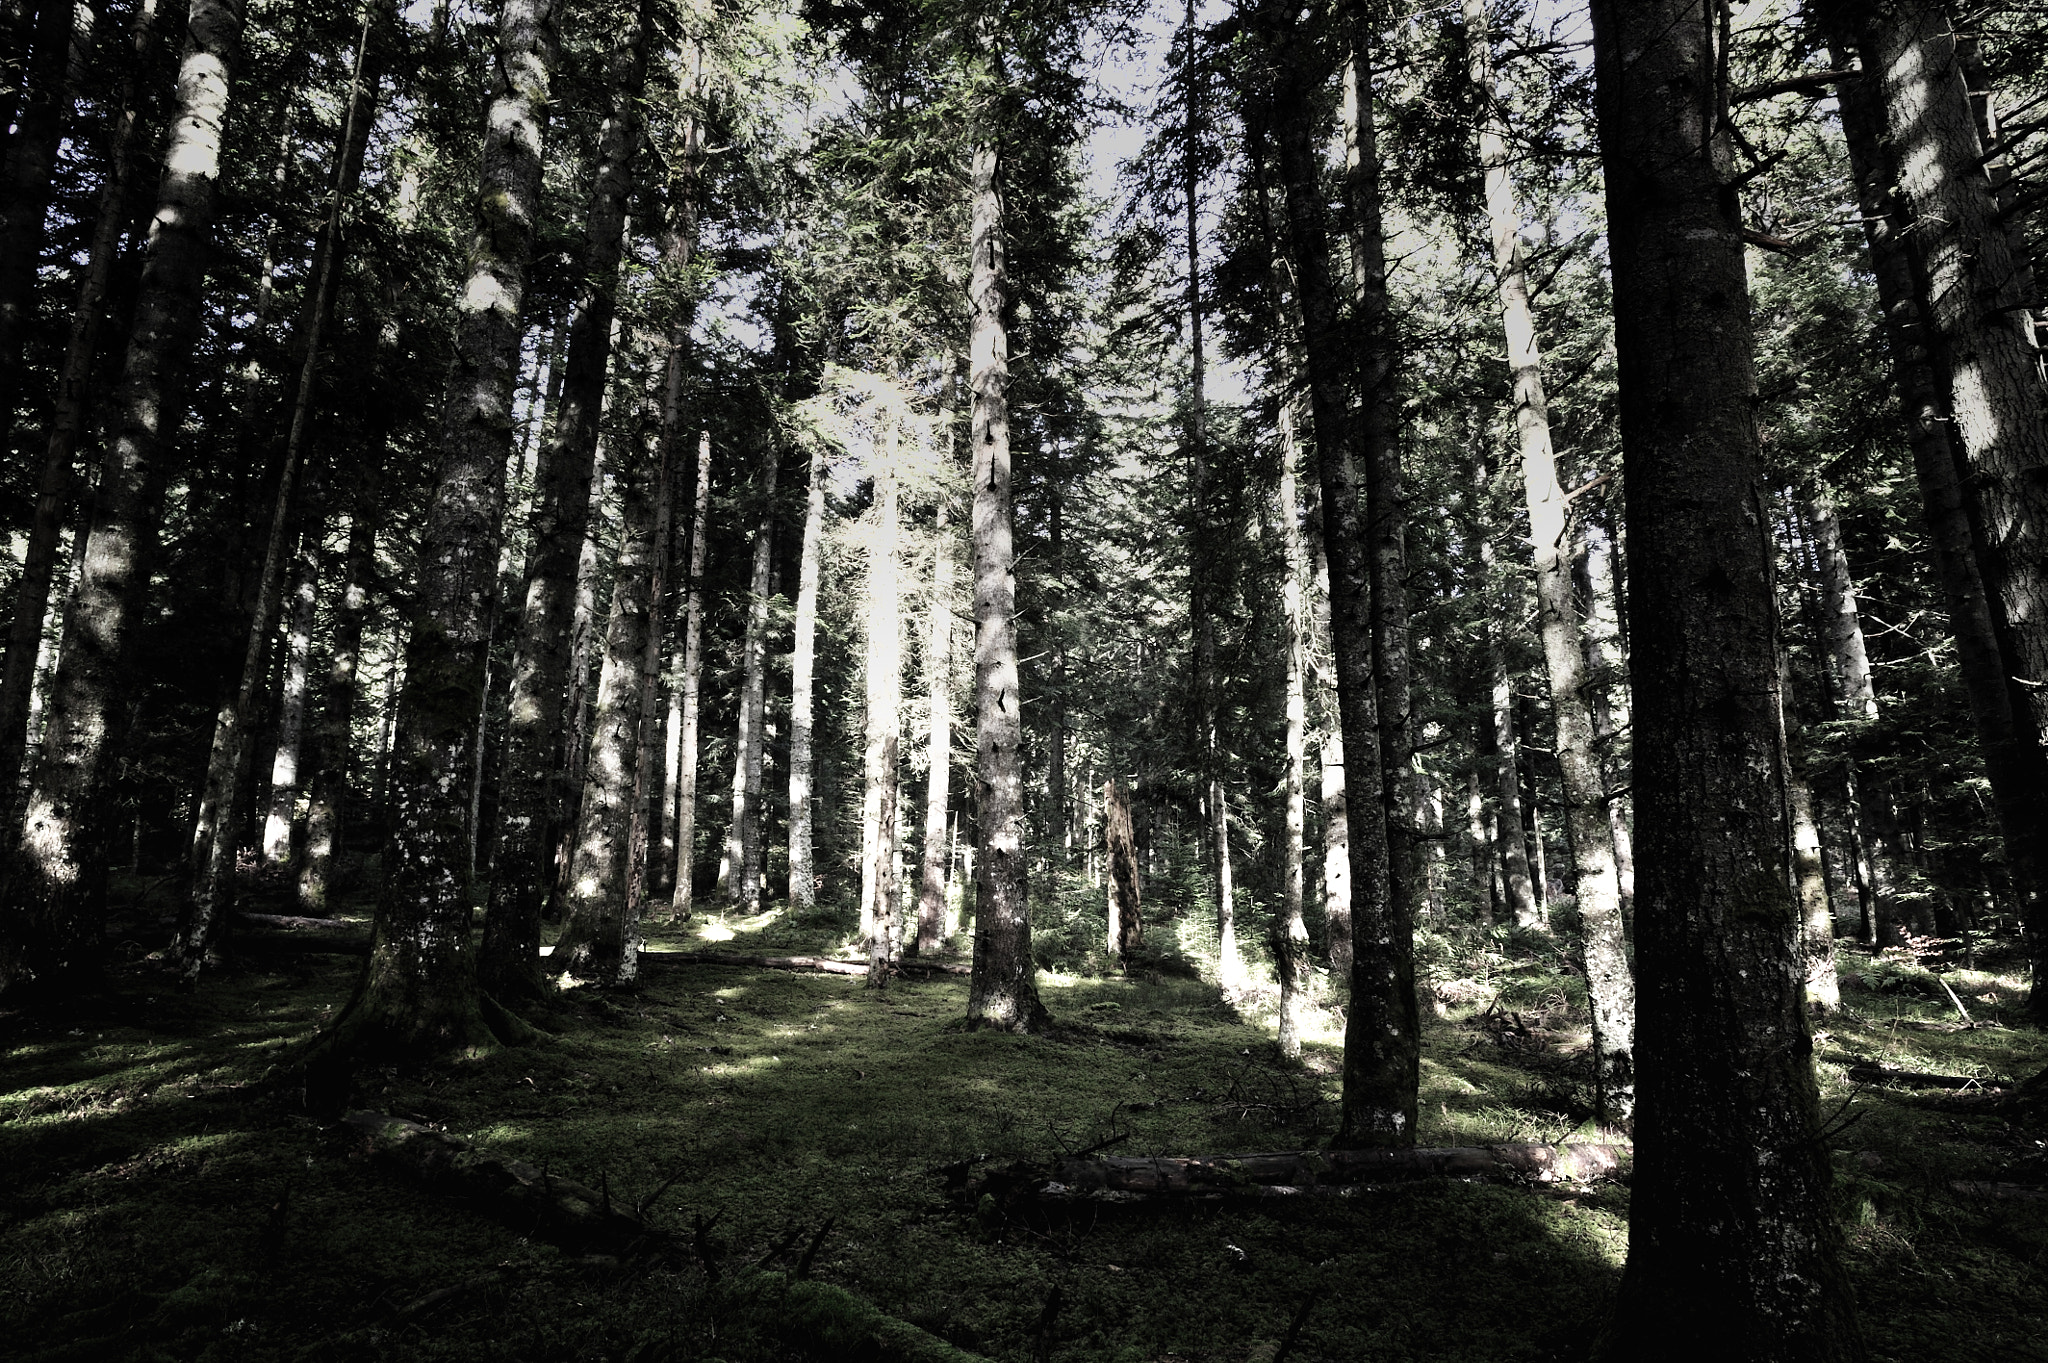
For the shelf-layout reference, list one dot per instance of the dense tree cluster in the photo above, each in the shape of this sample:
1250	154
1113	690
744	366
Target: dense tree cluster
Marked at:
1501	471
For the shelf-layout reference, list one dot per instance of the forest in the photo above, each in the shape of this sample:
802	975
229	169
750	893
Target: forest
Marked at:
949	680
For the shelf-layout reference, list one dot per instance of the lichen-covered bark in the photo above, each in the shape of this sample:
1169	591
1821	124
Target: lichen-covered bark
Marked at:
1732	1234
1003	992
537	801
418	995
1609	985
56	879
1382	1054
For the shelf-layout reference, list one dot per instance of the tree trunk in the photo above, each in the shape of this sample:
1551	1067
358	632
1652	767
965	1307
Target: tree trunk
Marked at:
880	900
74	403
418	995
1120	851
803	873
57	884
1602	627
1382	1049
535	809
213	835
1732	1233
1378	452
1975	301
583	643
1330	759
1290	957
291	710
1609	986
1004	990
327	803
689	686
601	942
1809	874
938	667
739	875
63	44
1511	834
639	863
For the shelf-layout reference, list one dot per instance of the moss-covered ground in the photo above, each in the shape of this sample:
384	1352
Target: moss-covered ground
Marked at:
157	1202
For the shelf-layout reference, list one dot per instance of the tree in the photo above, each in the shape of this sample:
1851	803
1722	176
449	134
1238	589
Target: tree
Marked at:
418	995
1732	1234
55	879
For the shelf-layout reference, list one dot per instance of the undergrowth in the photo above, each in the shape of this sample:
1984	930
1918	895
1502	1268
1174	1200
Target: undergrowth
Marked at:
162	1204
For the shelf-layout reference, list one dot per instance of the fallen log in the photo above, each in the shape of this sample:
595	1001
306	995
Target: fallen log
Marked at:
826	964
1291	1173
293	923
2014	1192
533	1201
1864	1072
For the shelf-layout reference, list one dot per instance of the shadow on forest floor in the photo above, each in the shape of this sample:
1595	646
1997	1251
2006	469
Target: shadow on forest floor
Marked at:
158	1206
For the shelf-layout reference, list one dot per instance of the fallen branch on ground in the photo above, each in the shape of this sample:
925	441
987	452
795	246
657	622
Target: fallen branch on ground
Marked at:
1279	1174
1870	1072
825	963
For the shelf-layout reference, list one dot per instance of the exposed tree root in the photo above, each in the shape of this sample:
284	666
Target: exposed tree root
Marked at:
823	963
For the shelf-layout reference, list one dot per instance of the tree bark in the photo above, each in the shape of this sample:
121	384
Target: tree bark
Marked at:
803	873
1120	851
1378	452
1382	1048
688	685
63	43
74	403
213	836
418	996
1975	298
601	942
1004	991
880	899
1732	1232
56	886
938	667
739	873
1609	985
1809	873
535	808
328	786
291	710
1291	932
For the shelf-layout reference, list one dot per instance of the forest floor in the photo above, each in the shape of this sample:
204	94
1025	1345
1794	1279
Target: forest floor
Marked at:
158	1202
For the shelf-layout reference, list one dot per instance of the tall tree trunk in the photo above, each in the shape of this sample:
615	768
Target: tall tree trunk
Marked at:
213	835
535	807
584	642
74	403
688	685
1809	873
1120	852
1479	845
1330	758
328	786
1290	957
418	994
1378	452
56	885
739	873
601	942
1732	1232
1201	544
938	668
1609	985
803	873
1975	299
640	865
1382	1047
1509	831
63	43
1936	464
880	900
291	710
1595	574
1003	992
